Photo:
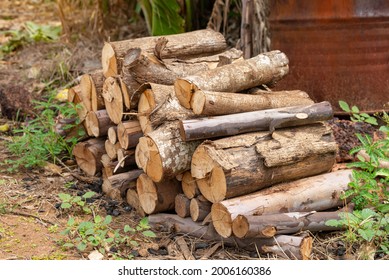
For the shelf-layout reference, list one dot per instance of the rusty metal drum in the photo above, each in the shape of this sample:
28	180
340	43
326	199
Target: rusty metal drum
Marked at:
337	49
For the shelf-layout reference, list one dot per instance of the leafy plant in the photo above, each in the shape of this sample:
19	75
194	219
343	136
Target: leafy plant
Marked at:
368	189
37	141
69	201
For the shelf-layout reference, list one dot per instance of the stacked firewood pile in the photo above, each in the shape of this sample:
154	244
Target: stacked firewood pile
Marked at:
188	132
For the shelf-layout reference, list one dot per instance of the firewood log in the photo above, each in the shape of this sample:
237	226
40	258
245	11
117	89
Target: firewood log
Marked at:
126	157
189	185
132	199
212	103
199	208
182	205
157	197
111	149
190	44
98	122
112	134
242	164
162	154
113	99
111	167
218	126
91	85
316	193
128	86
88	155
76	97
266	68
285	246
158	104
124	181
128	133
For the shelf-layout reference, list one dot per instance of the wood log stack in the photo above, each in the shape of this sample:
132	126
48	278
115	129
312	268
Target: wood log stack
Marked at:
179	124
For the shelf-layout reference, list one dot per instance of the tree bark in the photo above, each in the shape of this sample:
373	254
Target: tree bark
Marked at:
211	103
98	123
182	206
212	127
88	155
113	99
158	104
128	86
266	68
157	197
199	208
289	247
92	86
189	185
123	181
128	134
247	226
162	154
315	193
190	44
242	164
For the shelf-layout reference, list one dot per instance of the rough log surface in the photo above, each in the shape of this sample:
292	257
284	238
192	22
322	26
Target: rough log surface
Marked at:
182	206
128	133
88	155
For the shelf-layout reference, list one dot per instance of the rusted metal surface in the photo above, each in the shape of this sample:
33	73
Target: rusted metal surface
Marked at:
337	50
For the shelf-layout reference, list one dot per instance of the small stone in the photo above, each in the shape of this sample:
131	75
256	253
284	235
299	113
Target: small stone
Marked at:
95	256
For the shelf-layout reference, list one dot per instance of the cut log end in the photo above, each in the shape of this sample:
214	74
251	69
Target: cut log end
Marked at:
147	192
184	91
108	61
148	159
241	227
198	102
113	99
221	220
145	106
182	206
189	185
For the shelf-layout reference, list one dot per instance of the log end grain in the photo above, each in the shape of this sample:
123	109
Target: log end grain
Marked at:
182	206
108	61
189	185
184	90
113	99
198	102
147	192
148	158
221	219
240	226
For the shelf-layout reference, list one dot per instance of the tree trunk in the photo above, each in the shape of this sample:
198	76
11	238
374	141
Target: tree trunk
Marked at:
205	128
199	208
158	104
211	103
132	199
88	155
162	154
112	134
190	44
128	134
284	223
92	85
157	197
189	185
182	205
316	193
113	99
246	163
98	123
289	247
266	68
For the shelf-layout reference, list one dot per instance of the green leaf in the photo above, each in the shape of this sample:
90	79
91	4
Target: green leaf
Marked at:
383	208
334	223
81	246
68	245
88	194
166	18
344	106
367	234
107	220
89	231
98	219
148	233
71	222
64	197
371	120
384	172
127	228
354	109
65	205
367	213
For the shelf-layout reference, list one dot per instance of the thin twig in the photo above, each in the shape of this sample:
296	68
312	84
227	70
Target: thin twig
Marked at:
30	216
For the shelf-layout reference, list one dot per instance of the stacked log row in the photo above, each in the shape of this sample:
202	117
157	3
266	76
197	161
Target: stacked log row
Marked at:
179	124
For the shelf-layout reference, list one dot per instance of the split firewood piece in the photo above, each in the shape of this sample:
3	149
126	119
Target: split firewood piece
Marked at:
111	149
98	122
265	68
112	134
158	104
157	197
126	157
189	185
246	226
242	164
128	86
285	246
81	109
218	126
199	208
211	103
92	86
315	193
113	99
88	155
124	181
111	167
128	133
182	205
162	154
190	44
132	199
